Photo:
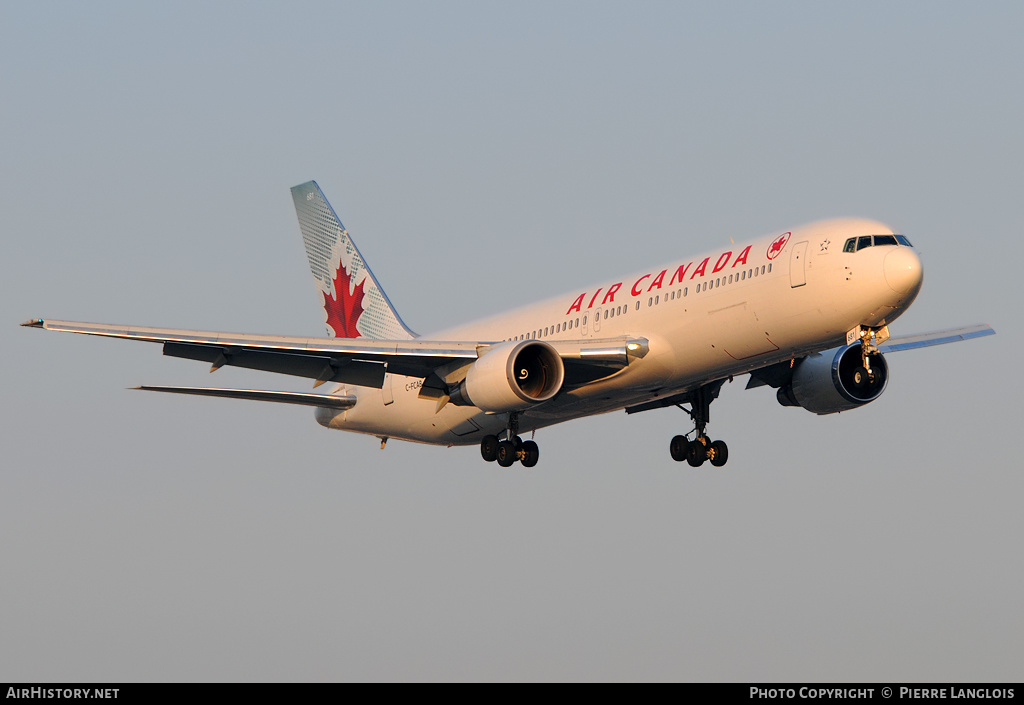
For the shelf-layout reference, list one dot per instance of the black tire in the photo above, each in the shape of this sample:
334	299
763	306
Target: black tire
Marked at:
506	454
489	448
678	448
861	378
531	454
517	442
696	454
719	453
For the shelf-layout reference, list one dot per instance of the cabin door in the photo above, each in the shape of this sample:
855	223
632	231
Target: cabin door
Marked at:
797	275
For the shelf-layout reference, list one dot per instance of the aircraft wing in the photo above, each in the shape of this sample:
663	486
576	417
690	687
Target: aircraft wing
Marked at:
357	361
939	337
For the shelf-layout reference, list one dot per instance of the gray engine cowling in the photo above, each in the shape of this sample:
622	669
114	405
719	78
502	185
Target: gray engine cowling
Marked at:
835	380
511	377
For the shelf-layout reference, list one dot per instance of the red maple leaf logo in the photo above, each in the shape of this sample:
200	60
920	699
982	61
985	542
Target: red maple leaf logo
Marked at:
344	309
775	248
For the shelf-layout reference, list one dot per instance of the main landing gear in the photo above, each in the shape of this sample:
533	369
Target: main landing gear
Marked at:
513	448
701	448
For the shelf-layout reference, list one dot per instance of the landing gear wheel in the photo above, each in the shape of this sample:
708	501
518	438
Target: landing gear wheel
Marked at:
530	453
718	453
678	448
861	377
506	454
489	448
517	442
697	453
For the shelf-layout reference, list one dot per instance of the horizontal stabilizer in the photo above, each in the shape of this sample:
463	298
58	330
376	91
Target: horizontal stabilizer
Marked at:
939	337
329	400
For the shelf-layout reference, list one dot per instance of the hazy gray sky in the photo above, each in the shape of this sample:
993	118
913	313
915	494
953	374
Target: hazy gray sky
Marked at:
481	154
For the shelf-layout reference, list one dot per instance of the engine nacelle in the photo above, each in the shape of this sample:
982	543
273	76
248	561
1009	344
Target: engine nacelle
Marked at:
511	377
835	380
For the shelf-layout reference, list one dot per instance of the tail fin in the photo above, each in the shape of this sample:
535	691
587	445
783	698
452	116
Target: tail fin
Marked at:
354	304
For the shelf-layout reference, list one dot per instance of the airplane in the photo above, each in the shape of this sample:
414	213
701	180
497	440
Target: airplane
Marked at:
806	312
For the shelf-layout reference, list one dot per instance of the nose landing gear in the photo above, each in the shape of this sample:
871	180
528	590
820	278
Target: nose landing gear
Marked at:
511	449
870	338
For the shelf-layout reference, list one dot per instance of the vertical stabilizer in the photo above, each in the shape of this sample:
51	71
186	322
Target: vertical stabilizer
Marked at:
354	304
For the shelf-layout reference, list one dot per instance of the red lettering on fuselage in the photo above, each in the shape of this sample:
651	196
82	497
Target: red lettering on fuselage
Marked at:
657	280
577	304
722	261
742	259
610	296
635	291
679	273
677	276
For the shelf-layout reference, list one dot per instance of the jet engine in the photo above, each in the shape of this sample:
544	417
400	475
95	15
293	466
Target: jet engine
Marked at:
835	380
511	376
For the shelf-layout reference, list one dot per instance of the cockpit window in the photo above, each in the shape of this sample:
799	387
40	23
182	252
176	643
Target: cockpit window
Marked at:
855	244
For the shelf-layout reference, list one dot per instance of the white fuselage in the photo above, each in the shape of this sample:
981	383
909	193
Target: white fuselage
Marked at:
725	312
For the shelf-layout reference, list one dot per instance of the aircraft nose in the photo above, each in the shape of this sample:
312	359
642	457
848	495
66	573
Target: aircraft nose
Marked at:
903	270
